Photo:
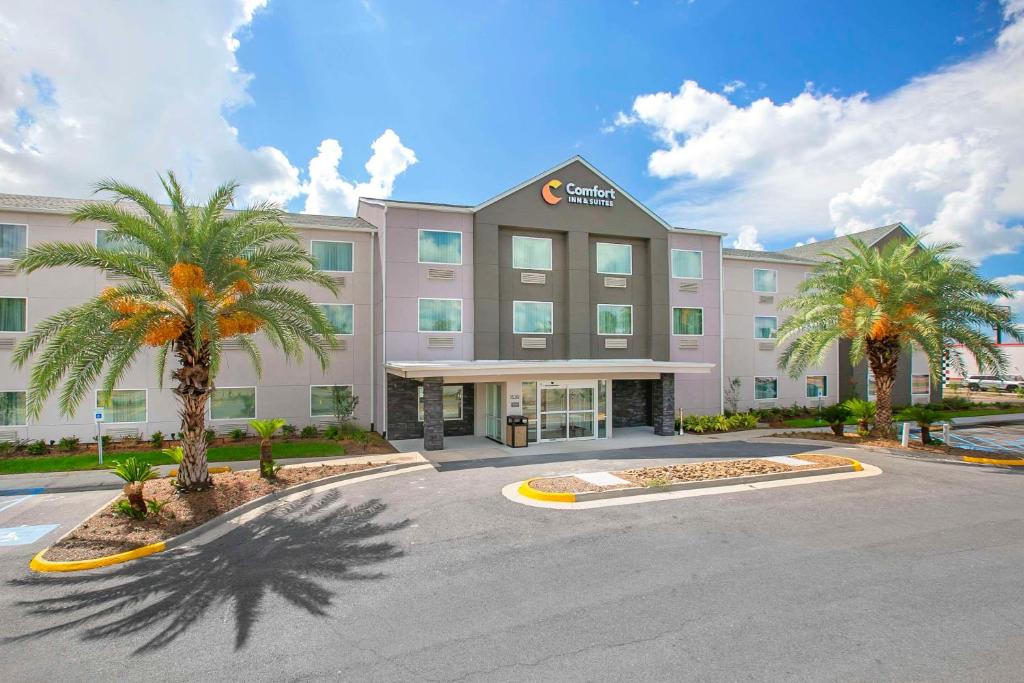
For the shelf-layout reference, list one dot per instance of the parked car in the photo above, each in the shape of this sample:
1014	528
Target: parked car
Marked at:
985	382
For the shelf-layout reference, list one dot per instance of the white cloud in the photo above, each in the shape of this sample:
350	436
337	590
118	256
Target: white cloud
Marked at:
811	240
1010	280
1015	302
747	239
77	106
328	193
733	86
944	153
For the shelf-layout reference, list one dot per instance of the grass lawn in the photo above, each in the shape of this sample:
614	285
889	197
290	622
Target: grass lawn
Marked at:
804	422
88	461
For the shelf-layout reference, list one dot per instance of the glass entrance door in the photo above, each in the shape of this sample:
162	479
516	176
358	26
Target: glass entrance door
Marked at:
567	411
492	411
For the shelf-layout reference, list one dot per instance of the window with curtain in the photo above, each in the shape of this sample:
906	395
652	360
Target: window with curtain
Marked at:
531	253
12	408
688	321
614	259
614	319
766	387
340	317
233	403
452	400
104	240
687	264
765	280
817	386
12	314
765	326
919	384
321	398
123	405
440	246
12	240
332	256
440	315
532	317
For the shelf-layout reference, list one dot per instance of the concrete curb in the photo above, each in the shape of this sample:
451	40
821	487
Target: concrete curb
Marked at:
526	489
39	564
1015	462
952	460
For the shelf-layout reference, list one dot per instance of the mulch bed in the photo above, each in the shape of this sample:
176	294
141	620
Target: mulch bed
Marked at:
675	474
919	449
106	533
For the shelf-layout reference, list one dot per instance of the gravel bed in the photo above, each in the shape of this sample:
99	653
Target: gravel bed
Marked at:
106	533
563	485
721	469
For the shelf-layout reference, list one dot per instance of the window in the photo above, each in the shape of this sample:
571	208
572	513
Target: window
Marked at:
920	384
12	314
339	316
321	398
123	405
531	253
104	240
872	387
817	386
688	321
452	399
332	256
766	388
233	403
12	240
765	326
614	319
440	315
12	408
687	264
766	280
532	317
440	246
614	259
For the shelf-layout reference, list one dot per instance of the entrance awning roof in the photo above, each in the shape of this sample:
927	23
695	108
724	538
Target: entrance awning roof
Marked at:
492	370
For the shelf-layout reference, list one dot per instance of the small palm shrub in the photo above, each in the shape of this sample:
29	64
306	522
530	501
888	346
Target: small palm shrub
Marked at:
175	453
863	411
265	430
924	417
836	416
124	508
135	473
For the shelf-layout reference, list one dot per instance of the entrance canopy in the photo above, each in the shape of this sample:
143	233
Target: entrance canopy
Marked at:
457	371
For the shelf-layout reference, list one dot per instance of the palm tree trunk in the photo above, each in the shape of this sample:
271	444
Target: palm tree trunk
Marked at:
926	434
133	492
193	390
266	460
883	355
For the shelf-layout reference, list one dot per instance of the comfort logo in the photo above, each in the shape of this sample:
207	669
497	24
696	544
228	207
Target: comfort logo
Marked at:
548	195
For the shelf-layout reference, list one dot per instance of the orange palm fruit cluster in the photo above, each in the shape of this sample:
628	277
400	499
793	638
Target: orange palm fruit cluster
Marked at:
238	323
164	329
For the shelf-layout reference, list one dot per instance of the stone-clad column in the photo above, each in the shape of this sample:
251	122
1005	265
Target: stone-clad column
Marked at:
663	404
433	413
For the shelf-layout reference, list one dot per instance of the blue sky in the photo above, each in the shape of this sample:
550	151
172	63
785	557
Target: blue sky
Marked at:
775	122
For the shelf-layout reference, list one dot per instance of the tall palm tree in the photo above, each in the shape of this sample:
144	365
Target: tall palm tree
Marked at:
192	277
884	301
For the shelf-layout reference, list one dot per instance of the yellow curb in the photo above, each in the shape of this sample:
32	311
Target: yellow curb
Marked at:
41	565
551	497
211	470
1016	462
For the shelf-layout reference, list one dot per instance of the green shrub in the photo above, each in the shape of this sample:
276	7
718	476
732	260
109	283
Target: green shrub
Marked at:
289	431
37	447
12	447
354	432
332	432
124	508
68	444
155	506
863	411
309	432
699	424
954	403
1020	392
924	416
106	440
237	434
210	435
835	416
742	421
157	439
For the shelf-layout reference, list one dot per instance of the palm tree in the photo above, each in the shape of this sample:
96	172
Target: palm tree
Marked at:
192	277
265	429
883	301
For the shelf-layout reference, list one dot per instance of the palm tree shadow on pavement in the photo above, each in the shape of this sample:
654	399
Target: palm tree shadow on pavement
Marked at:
292	550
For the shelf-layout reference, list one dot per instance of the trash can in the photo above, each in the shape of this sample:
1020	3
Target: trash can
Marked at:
515	431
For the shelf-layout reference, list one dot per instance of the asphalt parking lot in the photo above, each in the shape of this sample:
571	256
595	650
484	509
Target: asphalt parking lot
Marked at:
910	575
